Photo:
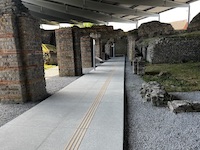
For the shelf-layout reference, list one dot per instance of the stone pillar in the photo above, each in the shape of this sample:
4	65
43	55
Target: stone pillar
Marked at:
97	36
12	76
30	41
68	52
130	48
21	65
86	51
98	47
77	51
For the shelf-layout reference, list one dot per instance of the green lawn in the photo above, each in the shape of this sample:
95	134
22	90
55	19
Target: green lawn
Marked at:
175	77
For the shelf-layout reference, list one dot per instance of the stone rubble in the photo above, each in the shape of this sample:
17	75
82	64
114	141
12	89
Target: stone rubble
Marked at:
156	93
178	106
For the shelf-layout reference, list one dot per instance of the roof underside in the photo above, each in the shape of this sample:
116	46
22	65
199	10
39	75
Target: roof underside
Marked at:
100	11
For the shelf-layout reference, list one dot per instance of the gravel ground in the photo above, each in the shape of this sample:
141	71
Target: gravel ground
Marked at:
153	128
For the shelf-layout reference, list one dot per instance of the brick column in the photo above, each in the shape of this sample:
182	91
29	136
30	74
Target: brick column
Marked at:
68	52
96	37
98	47
86	51
21	64
30	41
12	77
77	51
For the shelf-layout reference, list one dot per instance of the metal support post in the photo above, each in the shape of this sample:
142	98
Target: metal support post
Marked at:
94	54
188	14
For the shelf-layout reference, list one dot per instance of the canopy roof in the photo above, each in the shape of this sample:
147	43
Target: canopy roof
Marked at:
100	11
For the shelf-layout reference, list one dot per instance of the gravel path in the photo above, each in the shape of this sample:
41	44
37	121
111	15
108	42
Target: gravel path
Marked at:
153	128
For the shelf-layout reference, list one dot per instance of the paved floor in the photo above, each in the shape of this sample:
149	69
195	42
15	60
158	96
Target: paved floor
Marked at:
85	115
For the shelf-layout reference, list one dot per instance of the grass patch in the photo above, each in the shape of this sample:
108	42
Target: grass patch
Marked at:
175	77
48	66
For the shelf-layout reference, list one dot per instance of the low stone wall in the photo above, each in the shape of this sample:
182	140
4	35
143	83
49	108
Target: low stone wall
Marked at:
175	49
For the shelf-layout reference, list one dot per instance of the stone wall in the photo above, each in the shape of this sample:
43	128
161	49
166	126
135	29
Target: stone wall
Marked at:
154	28
66	50
48	37
158	43
121	46
107	33
175	49
21	66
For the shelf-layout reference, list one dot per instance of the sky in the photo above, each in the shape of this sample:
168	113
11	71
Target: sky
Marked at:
176	14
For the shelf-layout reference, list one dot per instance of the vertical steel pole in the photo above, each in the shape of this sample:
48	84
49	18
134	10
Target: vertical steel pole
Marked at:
136	24
94	54
113	50
188	14
159	17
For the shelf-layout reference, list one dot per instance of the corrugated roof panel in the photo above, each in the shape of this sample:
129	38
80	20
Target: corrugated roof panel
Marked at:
158	9
142	7
129	17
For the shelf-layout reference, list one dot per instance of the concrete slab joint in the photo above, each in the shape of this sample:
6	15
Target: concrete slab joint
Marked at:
21	66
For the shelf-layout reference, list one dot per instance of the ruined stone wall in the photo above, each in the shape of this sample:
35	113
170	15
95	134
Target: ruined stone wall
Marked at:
121	46
154	28
171	49
86	51
195	23
66	50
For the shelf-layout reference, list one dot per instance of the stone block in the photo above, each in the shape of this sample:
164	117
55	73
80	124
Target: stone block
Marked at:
178	106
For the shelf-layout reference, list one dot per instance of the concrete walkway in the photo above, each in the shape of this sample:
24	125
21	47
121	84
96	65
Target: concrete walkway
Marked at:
85	115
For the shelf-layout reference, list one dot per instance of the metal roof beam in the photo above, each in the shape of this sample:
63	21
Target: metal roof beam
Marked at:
75	11
156	3
53	13
103	7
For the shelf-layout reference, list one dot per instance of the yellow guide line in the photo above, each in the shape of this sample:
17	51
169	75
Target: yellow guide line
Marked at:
79	134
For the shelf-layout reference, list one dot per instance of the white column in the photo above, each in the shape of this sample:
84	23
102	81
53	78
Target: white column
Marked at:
188	14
